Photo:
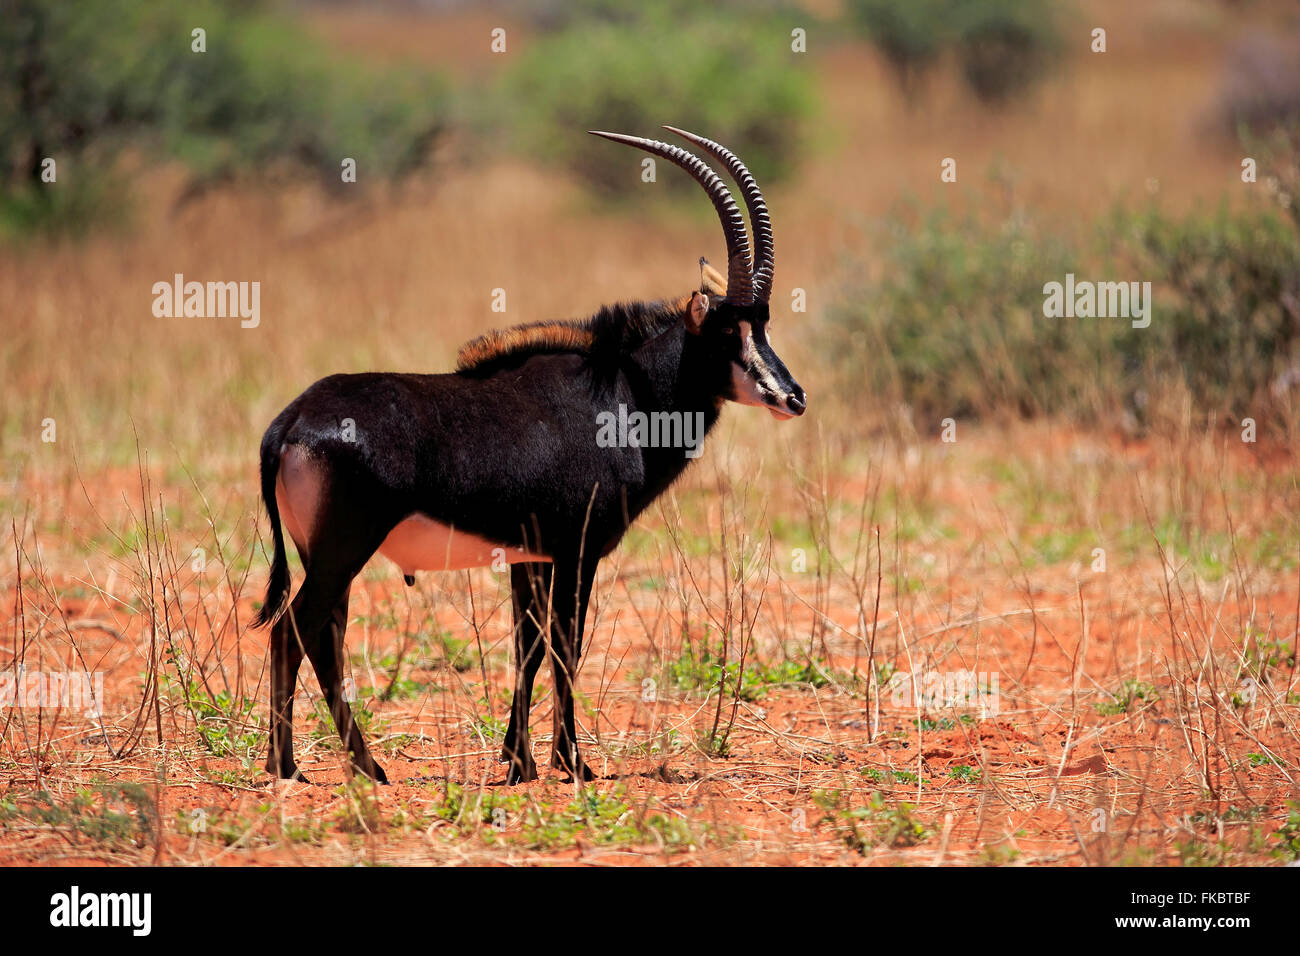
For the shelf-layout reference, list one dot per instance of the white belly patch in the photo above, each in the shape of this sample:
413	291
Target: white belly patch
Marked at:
419	543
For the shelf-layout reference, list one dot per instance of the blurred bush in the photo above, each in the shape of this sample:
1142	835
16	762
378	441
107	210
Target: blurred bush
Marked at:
81	82
1260	93
1227	319
910	35
732	79
563	14
955	324
1004	46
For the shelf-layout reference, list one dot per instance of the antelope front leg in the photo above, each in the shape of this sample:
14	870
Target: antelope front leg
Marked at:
569	610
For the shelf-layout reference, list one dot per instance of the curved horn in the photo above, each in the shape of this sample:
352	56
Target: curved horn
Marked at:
739	279
759	221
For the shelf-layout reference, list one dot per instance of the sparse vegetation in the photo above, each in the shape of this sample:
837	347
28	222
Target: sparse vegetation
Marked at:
1131	695
226	725
879	822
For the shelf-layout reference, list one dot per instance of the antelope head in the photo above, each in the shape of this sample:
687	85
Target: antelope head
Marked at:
731	320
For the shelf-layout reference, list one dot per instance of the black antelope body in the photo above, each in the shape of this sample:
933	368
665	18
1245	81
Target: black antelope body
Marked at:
438	472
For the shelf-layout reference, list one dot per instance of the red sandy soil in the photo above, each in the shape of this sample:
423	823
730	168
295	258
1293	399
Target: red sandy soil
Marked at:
1059	773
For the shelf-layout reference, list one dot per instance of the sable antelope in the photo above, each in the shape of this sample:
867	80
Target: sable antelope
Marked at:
438	472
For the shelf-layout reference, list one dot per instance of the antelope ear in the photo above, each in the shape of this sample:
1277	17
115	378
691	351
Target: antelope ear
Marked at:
696	311
712	281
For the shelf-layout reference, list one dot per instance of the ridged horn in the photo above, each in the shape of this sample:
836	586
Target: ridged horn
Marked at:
740	288
759	220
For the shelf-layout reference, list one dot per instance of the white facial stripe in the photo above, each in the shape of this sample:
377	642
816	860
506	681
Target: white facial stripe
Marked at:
750	358
746	343
745	388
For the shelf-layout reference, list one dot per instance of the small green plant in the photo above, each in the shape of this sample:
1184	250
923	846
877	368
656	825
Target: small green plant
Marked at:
232	829
401	688
1261	656
359	810
1196	852
1288	835
1232	814
227	726
998	854
887	776
704	668
941	723
667	742
595	817
108	813
713	743
1128	695
470	810
963	773
309	832
460	655
488	729
878	823
892	825
324	732
811	673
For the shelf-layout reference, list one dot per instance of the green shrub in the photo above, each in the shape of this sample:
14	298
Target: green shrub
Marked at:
563	14
954	327
1227	312
955	324
910	35
735	81
1004	46
78	82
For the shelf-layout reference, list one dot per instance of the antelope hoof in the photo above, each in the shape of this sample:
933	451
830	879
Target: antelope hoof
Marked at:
374	772
522	766
288	773
575	767
521	772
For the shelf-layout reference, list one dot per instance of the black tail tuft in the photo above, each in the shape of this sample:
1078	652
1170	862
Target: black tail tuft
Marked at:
277	588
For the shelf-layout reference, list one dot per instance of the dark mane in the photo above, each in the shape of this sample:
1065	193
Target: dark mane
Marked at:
613	331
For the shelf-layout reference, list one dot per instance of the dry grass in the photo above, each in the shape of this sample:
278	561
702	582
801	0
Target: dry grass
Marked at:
1158	691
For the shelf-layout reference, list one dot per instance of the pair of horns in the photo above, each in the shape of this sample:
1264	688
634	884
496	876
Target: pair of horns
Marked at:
746	282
